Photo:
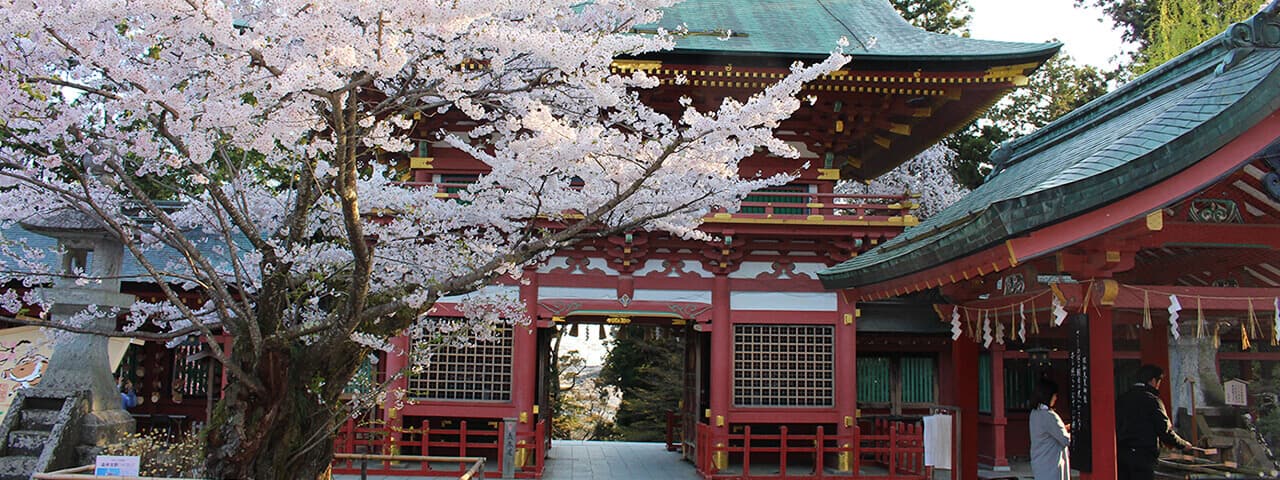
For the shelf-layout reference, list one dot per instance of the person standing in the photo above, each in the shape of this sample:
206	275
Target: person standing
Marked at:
1142	424
1049	436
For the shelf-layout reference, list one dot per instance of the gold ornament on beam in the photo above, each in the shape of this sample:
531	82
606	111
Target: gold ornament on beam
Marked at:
1217	339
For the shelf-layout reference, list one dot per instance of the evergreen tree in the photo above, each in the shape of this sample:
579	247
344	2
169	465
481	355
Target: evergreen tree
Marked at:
646	364
1176	26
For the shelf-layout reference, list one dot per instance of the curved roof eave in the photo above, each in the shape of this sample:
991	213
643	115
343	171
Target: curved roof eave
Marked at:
1043	201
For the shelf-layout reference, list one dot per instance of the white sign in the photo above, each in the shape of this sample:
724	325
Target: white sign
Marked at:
1237	392
119	466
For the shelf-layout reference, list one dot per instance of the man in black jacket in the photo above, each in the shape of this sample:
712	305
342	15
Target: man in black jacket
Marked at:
1142	425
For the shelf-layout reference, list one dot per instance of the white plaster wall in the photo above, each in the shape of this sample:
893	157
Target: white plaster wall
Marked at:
795	301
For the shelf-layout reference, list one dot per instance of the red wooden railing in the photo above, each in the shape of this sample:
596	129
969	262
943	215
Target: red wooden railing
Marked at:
894	452
463	441
675	430
784	204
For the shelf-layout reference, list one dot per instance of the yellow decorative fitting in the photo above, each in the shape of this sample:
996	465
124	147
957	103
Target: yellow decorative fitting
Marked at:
719	420
720	458
848	421
1155	220
1113	256
857	312
1110	289
828	174
848	319
1020	80
815	218
900	128
522	456
557	319
417	115
842	461
421	162
815	205
524	417
706	413
722	215
882	141
637	64
854	162
679	322
839	126
910	220
618	320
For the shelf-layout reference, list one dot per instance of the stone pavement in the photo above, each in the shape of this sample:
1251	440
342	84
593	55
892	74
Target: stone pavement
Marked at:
578	460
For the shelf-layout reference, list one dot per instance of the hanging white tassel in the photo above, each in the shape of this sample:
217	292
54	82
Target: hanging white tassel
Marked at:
1059	312
1275	329
955	323
986	330
999	330
1174	308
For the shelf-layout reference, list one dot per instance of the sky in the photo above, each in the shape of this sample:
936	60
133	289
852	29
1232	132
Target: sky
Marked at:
1086	39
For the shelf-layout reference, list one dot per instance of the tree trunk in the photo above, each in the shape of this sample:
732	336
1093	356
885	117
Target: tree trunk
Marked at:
286	431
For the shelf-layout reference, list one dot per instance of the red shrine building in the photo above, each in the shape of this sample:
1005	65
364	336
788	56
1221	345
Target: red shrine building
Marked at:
772	356
772	369
1140	228
820	327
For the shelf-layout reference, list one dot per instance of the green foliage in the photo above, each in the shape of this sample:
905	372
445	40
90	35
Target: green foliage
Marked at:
1054	90
940	16
1175	26
646	364
581	405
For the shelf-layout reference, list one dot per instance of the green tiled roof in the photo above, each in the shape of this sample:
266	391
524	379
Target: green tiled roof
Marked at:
1124	142
805	28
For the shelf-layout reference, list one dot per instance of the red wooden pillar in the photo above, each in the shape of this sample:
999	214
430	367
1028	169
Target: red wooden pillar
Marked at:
524	355
397	363
999	418
1154	349
964	363
1102	394
846	367
721	360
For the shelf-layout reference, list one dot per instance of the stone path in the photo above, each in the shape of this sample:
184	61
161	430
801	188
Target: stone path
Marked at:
578	460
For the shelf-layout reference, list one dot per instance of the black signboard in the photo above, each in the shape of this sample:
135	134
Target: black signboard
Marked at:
1081	413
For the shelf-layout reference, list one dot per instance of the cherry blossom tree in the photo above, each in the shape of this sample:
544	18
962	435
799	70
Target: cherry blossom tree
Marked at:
245	137
928	175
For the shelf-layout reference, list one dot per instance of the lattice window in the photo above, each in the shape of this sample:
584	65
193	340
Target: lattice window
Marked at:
784	365
481	371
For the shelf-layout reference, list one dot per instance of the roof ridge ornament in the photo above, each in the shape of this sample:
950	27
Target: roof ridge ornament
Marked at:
1262	30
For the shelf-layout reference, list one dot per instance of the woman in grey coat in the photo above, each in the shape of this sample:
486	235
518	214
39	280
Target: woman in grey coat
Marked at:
1049	436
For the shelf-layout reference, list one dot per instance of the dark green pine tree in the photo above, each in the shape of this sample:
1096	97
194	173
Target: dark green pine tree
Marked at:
646	364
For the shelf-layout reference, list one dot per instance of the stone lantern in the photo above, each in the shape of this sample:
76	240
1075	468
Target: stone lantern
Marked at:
77	403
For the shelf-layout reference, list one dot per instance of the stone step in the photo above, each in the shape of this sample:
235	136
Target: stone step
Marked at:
17	467
27	442
39	419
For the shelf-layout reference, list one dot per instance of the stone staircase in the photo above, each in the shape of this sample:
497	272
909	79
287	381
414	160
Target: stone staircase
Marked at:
35	436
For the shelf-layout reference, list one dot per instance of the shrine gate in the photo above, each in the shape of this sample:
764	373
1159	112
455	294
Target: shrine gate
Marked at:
772	368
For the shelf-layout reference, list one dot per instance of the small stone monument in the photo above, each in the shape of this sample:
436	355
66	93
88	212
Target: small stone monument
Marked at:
77	403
